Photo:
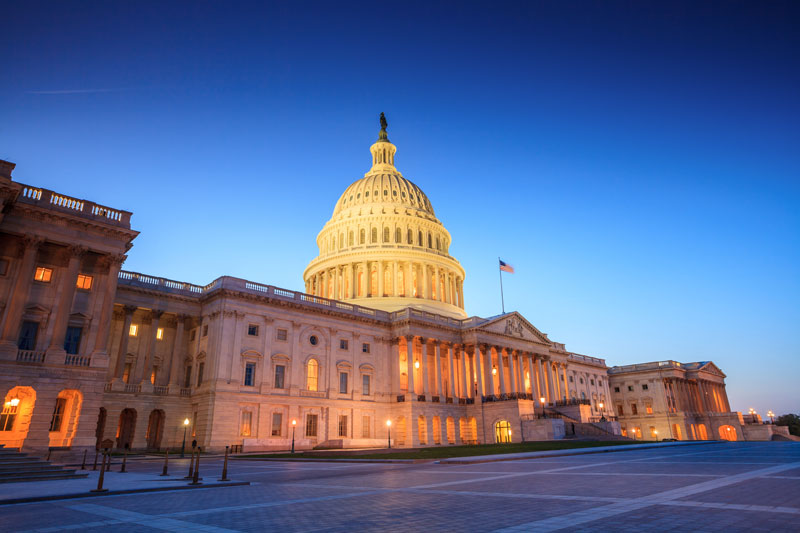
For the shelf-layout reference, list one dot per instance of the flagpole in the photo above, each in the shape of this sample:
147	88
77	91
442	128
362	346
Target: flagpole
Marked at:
502	299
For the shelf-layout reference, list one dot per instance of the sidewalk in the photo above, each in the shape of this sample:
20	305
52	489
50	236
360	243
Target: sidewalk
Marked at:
115	482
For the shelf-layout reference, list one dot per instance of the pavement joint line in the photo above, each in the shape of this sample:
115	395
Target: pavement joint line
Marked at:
591	515
734	506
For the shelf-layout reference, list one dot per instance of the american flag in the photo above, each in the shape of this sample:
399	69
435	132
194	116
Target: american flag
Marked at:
505	267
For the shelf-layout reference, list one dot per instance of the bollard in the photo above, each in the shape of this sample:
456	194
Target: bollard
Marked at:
100	478
108	466
225	467
195	480
49	451
83	464
191	466
166	461
124	459
96	451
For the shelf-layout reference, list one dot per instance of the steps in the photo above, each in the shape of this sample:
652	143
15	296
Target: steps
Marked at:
16	467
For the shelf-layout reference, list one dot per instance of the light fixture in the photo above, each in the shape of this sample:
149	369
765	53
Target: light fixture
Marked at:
14	402
541	400
389	423
416	364
600	405
494	371
294	422
186	422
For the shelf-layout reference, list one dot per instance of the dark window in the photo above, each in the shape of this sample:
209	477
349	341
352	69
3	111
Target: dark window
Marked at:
193	334
630	388
205	330
634	409
343	344
187	377
342	425
313	340
72	341
252	330
365	383
644	387
342	382
249	374
200	369
311	425
616	389
571	379
27	335
591	381
281	334
280	373
277	423
365	347
620	410
58	414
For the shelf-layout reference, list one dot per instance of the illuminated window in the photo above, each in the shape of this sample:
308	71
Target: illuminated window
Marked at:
247	422
43	274
313	375
277	422
8	416
648	408
84	282
311	425
154	375
653	432
160	334
342	425
282	335
126	373
134	330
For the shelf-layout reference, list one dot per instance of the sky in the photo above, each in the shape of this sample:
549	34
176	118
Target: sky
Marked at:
637	163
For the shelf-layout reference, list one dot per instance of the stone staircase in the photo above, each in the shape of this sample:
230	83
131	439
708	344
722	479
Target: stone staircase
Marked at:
575	429
16	467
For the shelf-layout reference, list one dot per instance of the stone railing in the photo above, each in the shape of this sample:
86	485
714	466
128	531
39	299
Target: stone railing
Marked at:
161	390
313	393
30	356
130	387
644	366
66	204
77	360
142	280
586	359
186	391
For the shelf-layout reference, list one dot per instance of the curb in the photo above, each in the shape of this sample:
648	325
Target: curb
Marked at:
334	460
52	497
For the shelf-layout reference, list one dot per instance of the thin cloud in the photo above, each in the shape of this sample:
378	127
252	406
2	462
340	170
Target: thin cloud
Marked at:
75	91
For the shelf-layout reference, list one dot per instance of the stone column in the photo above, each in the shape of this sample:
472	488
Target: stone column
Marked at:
487	371
324	291
478	364
452	370
466	384
512	373
548	381
19	296
425	284
365	279
151	345
336	284
423	361
380	279
176	356
725	401
501	370
64	302
461	293
532	379
316	288
407	279
437	354
395	292
566	381
104	327
122	352
394	374
410	363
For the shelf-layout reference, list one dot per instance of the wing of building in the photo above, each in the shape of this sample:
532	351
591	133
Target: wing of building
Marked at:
377	347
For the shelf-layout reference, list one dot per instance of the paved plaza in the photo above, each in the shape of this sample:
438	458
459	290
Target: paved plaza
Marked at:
710	487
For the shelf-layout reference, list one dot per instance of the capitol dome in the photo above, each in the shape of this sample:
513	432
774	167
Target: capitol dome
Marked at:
384	247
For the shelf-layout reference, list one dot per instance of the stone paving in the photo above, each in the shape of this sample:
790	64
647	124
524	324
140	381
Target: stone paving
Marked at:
723	486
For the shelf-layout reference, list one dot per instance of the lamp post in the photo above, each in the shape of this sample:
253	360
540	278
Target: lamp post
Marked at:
389	432
771	416
541	401
602	412
655	433
294	424
183	446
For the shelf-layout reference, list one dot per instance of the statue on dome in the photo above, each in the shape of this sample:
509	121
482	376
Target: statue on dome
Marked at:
383	136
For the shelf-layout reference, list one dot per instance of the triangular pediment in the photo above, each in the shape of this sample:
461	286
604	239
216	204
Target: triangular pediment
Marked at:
514	325
711	368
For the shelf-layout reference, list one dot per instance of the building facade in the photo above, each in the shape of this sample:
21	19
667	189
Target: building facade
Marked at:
378	346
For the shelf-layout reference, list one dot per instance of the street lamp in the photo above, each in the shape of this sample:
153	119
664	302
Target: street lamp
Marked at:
602	413
655	432
416	364
183	446
771	416
389	432
294	425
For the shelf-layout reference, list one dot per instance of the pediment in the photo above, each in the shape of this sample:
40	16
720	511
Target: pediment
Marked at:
711	368
514	325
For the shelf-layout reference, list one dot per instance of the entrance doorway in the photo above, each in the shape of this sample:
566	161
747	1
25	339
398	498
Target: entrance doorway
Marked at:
502	431
155	429
126	428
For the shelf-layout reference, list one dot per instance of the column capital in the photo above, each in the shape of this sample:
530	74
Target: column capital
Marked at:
409	338
445	344
129	309
423	340
30	241
155	314
76	250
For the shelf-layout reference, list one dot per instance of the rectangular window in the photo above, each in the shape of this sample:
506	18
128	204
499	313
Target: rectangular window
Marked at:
252	330
365	347
247	422
591	381
364	427
653	432
134	330
160	334
187	377
58	414
84	282
342	382
600	382
342	425
365	383
620	410
194	424
343	344
205	330
281	334
72	340
200	368
280	373
8	416
630	388
27	335
193	334
43	274
648	408
644	387
616	389
126	372
277	422
311	425
634	409
250	374
572	379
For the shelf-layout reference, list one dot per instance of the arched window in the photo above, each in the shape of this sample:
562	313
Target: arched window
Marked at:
351	241
374	235
419	238
398	235
502	431
362	237
312	379
430	241
385	234
341	240
438	244
410	236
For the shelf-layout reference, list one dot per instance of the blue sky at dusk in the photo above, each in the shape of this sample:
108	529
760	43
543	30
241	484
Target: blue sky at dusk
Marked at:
637	163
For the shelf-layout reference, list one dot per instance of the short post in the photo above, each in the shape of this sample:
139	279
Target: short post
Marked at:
196	478
83	464
191	466
49	451
225	467
166	461
96	452
100	477
108	465
124	458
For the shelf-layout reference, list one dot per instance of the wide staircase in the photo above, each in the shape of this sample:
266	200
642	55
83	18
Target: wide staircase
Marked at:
16	467
575	429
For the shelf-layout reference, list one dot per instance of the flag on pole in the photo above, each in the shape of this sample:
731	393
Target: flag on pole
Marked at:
505	267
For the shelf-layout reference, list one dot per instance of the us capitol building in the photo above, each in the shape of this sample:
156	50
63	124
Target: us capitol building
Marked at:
89	351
